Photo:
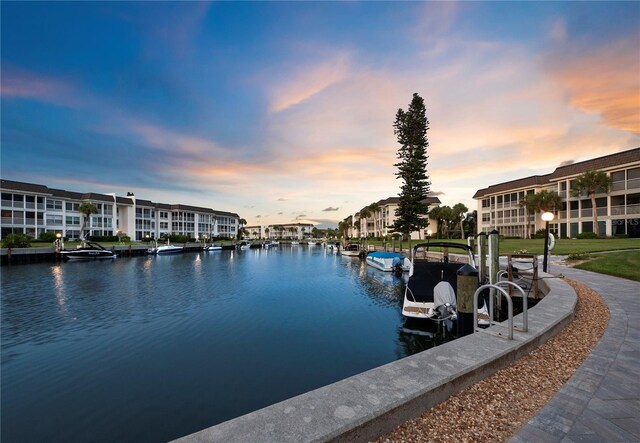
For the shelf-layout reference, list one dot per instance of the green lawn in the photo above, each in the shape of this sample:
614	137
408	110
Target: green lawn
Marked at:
562	247
621	264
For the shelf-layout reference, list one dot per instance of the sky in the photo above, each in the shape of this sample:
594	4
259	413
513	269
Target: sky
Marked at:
283	111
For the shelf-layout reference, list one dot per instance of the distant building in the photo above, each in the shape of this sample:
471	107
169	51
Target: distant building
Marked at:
380	222
286	231
618	212
32	209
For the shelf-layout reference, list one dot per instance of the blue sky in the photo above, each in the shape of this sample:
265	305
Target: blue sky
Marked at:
284	111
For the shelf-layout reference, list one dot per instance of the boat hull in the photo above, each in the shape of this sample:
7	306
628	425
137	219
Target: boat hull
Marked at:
385	263
87	255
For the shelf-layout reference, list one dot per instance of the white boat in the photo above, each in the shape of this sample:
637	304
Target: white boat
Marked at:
165	249
295	243
389	261
352	250
243	246
333	247
87	251
311	243
269	244
213	248
431	289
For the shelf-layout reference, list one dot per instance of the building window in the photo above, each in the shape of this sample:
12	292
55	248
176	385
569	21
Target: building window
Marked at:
54	205
54	220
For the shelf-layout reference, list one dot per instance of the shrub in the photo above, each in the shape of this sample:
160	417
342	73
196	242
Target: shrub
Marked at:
540	233
48	237
587	235
16	241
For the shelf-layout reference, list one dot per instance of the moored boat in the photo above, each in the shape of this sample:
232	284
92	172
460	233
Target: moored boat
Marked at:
213	248
388	261
352	250
88	250
431	290
165	249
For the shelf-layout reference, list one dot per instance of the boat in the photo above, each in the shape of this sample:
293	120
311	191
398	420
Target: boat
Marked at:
213	248
165	249
269	244
311	243
295	243
389	261
243	246
88	250
333	247
352	250
431	289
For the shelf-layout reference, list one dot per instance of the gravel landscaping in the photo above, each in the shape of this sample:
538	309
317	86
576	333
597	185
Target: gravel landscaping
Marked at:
494	409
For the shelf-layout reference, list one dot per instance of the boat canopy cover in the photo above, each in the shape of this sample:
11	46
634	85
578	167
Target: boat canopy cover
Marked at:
426	275
386	255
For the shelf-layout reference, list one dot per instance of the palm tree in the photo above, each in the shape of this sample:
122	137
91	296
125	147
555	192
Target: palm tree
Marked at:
375	209
356	225
592	182
365	213
529	205
547	200
459	211
86	209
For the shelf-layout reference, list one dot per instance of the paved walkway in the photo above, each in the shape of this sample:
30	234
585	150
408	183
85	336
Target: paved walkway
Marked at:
601	401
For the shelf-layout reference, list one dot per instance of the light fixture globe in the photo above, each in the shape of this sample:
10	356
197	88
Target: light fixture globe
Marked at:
547	216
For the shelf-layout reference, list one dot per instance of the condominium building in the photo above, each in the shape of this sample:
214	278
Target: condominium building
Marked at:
31	209
287	231
618	212
379	218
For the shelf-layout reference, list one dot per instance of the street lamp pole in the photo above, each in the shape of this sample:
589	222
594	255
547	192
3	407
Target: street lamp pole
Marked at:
547	217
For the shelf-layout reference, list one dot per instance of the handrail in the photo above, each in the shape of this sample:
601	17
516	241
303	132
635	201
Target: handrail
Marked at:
525	303
509	308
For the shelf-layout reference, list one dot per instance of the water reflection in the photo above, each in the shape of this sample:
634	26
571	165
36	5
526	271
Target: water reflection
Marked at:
202	337
58	284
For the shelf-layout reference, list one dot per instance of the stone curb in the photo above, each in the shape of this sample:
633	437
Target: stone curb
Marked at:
362	407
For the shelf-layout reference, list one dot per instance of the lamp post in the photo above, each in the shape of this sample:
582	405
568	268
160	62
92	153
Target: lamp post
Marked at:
59	244
547	217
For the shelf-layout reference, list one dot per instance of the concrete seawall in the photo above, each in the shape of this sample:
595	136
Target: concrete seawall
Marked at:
372	403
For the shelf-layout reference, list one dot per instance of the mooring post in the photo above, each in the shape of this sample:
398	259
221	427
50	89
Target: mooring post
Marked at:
482	257
471	242
494	260
467	282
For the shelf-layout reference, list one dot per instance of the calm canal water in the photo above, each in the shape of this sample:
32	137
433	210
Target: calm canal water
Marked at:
154	348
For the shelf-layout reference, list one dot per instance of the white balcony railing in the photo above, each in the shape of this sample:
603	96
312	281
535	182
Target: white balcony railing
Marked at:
633	183
618	186
618	210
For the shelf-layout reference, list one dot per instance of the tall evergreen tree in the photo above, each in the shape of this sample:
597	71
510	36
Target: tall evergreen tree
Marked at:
411	129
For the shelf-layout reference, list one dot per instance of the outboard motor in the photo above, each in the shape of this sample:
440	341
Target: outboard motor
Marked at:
396	264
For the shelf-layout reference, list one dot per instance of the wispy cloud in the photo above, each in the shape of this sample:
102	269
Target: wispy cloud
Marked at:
305	82
605	80
25	84
330	209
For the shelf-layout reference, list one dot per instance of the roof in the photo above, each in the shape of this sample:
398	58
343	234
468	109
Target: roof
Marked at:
527	182
24	187
430	200
629	156
606	162
129	200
